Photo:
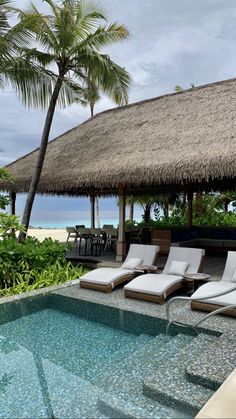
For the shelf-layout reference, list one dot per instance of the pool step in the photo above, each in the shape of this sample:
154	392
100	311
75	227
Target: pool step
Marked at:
215	364
97	376
122	396
78	398
169	383
125	370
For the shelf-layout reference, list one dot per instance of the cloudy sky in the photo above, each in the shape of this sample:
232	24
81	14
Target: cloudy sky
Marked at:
172	42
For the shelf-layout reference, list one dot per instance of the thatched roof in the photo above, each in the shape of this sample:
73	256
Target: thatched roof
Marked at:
173	139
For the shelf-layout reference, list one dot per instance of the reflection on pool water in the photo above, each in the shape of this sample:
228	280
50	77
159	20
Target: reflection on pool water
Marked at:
67	358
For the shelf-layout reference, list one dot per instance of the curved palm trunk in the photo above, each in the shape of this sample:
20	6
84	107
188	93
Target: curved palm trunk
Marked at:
40	159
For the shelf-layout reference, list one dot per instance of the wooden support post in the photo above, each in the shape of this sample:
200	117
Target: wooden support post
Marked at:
190	207
92	210
12	196
121	244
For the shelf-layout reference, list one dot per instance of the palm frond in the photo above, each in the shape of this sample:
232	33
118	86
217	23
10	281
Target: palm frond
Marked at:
89	12
106	35
70	93
116	83
42	27
33	84
4	9
109	77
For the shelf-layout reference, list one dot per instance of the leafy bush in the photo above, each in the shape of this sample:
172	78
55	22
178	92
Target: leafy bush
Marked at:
32	261
30	279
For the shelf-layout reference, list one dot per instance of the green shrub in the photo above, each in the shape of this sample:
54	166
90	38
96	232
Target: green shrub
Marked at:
30	280
30	255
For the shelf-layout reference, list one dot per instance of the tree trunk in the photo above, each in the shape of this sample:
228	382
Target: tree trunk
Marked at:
92	110
199	204
12	196
131	212
147	213
190	208
226	205
166	209
40	159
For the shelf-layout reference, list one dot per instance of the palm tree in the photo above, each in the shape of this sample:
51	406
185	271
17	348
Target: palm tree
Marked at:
27	78
147	202
90	95
71	39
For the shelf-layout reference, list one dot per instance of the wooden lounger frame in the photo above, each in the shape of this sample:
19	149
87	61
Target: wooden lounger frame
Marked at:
200	305
107	288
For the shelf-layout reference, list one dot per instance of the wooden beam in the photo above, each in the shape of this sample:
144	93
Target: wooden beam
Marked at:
121	244
92	210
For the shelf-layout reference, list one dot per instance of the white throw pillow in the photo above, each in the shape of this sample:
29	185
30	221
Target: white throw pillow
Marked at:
132	263
234	277
178	268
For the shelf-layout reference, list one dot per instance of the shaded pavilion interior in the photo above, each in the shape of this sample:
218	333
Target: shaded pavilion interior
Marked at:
184	141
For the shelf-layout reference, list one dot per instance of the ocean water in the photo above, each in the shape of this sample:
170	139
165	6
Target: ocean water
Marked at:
67	223
76	221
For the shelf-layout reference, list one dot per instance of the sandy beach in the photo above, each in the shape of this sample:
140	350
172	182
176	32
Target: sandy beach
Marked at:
43	233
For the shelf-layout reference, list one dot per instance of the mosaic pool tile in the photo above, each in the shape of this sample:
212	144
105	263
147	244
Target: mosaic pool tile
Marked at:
212	374
124	394
179	390
80	350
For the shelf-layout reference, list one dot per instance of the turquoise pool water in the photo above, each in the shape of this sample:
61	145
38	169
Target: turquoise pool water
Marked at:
64	358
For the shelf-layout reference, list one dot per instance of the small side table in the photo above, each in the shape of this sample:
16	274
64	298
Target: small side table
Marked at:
196	278
146	269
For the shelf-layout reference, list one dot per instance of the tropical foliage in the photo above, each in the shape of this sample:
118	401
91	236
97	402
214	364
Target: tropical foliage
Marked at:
209	209
30	280
32	264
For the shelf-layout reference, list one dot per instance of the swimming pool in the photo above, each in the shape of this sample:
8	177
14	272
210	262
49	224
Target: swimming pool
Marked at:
61	357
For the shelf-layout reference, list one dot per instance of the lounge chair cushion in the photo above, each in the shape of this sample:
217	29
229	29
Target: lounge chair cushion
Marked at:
215	287
178	268
105	276
184	254
132	263
156	284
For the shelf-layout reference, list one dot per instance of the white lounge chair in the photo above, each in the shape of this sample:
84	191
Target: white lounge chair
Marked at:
226	285
105	279
156	287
